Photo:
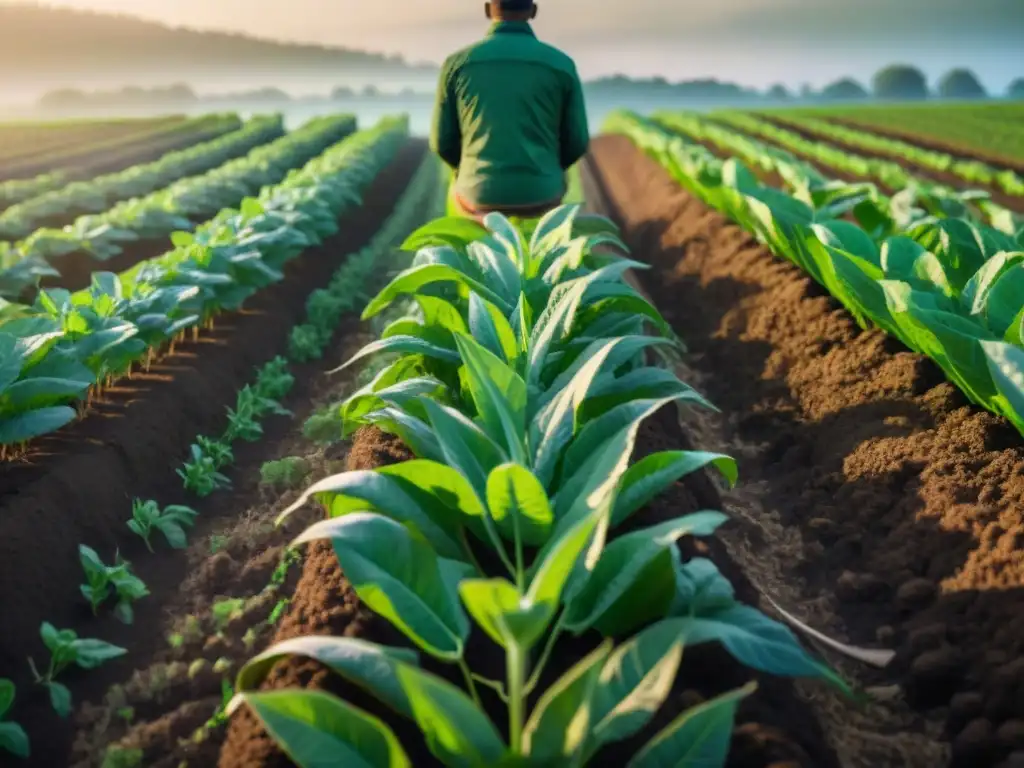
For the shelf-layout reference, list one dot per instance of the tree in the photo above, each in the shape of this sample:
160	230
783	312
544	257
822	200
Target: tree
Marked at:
1016	89
779	92
845	89
961	84
900	81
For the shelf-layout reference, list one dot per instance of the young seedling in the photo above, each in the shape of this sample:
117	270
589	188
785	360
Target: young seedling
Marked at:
325	426
102	581
67	649
13	738
289	472
217	450
243	419
305	344
171	522
200	474
274	381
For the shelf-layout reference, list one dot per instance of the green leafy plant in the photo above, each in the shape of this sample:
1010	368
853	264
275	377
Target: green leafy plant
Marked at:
171	521
288	472
59	354
67	649
13	738
110	581
200	474
520	385
219	452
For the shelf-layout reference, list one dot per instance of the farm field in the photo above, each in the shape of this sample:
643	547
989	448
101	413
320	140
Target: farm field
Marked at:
565	493
990	132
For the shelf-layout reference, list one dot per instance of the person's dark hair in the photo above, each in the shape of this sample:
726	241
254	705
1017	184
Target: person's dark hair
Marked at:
516	9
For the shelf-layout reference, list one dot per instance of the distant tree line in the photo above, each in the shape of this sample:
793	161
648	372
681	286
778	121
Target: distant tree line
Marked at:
904	82
897	82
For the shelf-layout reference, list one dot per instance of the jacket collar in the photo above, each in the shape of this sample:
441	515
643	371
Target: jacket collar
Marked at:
510	28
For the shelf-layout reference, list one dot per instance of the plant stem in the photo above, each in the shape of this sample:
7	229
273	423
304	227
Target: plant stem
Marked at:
494	685
516	697
470	685
544	656
469	551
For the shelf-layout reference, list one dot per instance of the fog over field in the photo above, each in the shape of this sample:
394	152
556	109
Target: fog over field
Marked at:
752	42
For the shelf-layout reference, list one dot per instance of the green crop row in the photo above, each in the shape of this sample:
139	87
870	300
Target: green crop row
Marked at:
173	208
981	127
519	380
206	127
96	195
948	288
886	172
911	204
973	171
57	353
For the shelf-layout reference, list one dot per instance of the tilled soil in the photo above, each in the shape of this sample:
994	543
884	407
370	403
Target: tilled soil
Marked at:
904	505
77	489
774	727
240	577
948	178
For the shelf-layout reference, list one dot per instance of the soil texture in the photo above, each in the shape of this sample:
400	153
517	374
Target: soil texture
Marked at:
903	505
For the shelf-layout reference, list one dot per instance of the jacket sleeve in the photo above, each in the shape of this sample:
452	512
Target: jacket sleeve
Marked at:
575	131
445	135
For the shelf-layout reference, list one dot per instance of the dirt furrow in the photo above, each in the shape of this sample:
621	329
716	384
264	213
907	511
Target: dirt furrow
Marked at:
888	504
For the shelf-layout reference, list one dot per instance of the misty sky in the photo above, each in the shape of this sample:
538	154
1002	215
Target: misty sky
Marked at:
755	42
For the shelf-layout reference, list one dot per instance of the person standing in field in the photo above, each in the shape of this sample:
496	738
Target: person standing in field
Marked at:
509	118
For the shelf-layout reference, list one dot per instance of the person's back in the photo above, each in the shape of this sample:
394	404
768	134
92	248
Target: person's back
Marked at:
509	116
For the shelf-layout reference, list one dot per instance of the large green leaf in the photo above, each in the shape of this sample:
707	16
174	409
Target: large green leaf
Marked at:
400	577
1006	365
499	394
370	666
699	737
561	721
11	361
519	504
559	558
442	313
755	640
25	426
905	259
414	278
500	610
454	231
634	580
405	344
491	329
553	427
457	732
389	494
644	480
317	730
634	682
465	446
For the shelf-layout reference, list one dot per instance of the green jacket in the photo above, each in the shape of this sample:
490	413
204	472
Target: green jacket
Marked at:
510	118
